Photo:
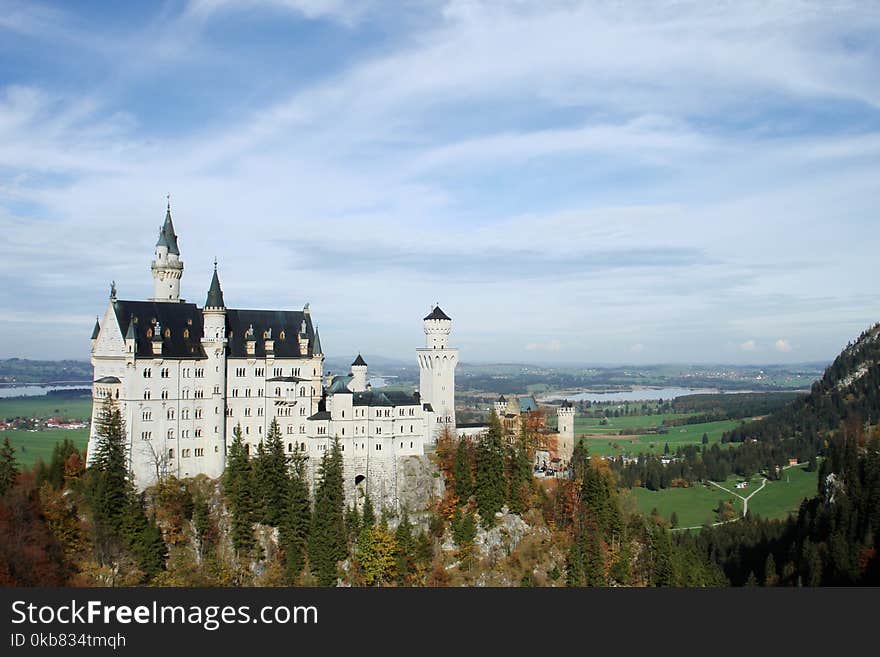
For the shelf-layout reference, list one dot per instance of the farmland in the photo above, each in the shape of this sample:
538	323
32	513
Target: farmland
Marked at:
37	442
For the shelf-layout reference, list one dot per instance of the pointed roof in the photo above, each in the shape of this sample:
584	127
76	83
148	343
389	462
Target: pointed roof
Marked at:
316	348
359	361
130	334
96	330
438	314
167	236
215	294
502	400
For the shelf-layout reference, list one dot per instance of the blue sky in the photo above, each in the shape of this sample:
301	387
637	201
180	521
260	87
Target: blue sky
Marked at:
638	182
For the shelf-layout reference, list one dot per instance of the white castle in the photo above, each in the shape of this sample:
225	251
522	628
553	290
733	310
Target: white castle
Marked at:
184	377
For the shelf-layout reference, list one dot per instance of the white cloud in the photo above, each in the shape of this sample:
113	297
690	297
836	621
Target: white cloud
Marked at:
637	348
748	345
782	345
550	345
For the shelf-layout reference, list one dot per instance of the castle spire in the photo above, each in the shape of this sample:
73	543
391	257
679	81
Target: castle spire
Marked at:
316	350
167	266
97	329
215	293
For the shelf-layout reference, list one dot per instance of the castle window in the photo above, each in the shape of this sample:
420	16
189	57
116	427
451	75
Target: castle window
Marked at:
184	414
259	392
302	429
147	416
302	411
146	394
247	412
184	453
247	392
378	447
378	430
401	445
260	412
289	447
277	392
164	394
303	446
149	333
410	445
198	413
200	372
186	334
289	428
343	413
343	431
260	430
170	434
302	392
171	453
148	373
200	451
170	413
167	332
198	433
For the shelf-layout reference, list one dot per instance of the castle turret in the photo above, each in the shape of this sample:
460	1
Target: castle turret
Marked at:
214	342
500	406
167	266
95	332
359	375
437	363
565	428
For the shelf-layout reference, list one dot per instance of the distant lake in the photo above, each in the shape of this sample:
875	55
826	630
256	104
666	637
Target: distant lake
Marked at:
35	390
635	395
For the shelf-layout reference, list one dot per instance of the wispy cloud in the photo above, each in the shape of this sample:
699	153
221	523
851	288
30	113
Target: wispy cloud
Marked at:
674	174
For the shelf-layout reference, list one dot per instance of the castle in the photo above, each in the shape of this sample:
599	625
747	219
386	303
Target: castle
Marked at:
554	448
185	377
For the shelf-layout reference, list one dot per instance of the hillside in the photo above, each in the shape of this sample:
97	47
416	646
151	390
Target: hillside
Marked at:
847	395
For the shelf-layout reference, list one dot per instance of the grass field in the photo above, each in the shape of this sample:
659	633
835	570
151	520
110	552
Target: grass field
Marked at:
691	434
779	498
45	406
694	506
30	446
616	424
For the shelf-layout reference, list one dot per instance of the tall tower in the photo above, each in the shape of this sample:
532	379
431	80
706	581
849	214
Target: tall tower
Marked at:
565	428
214	343
167	266
359	375
437	363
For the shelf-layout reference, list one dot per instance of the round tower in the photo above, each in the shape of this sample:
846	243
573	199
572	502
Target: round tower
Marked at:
167	266
437	363
214	344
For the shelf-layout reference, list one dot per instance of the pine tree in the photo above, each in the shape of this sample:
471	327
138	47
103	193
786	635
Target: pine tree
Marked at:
491	485
327	540
368	515
237	484
406	547
8	467
463	479
273	484
296	521
109	488
520	477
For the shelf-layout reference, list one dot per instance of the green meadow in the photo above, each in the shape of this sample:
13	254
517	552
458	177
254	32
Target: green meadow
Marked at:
689	434
46	406
31	446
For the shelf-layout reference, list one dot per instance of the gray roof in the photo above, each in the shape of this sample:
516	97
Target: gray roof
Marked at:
438	314
339	384
287	322
108	379
183	319
502	399
320	415
215	294
317	348
359	361
389	398
96	330
286	379
528	404
166	234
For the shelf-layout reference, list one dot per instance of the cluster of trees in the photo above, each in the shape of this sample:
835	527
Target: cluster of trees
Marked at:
315	536
722	406
48	537
485	474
